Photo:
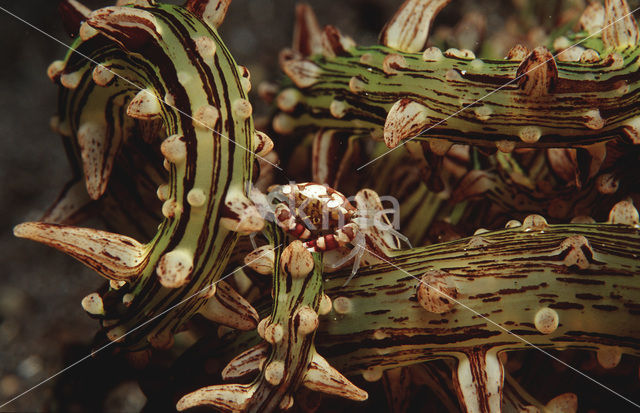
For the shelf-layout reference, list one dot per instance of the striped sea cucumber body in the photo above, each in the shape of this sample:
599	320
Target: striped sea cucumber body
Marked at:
403	90
158	64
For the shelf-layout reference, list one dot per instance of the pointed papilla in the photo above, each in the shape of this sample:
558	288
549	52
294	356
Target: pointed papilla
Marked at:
302	72
409	28
405	119
479	381
592	18
246	363
98	149
307	36
174	268
537	75
226	397
620	27
335	44
321	377
261	260
263	144
240	214
327	151
211	11
114	256
144	106
229	308
296	261
131	28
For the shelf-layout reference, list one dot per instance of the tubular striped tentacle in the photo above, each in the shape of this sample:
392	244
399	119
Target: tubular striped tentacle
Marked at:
322	110
396	91
292	360
574	289
155	61
556	286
